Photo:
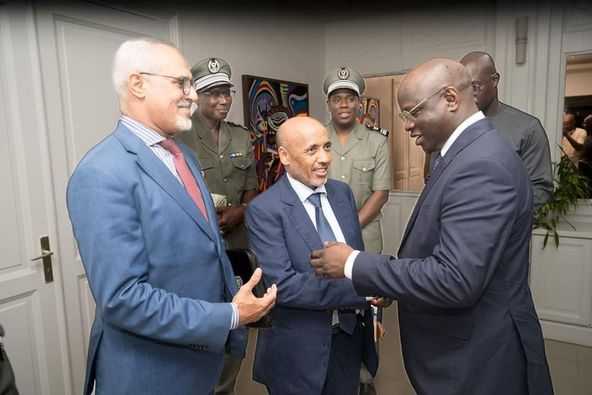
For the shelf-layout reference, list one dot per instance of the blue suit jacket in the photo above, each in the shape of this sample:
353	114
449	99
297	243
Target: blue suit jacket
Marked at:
468	323
157	270
293	356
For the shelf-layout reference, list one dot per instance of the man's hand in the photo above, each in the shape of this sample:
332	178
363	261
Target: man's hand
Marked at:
380	331
230	217
381	301
250	308
329	263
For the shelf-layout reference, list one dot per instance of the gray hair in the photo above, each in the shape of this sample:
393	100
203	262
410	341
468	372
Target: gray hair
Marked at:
134	56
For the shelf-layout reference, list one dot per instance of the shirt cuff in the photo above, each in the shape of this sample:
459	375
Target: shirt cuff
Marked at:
349	264
234	320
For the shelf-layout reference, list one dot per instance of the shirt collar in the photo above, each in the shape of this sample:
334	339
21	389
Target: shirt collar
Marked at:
302	190
459	129
148	135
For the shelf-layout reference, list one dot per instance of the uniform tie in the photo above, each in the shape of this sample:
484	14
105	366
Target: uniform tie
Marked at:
347	320
185	174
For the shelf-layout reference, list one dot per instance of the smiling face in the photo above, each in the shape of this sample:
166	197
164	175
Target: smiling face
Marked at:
214	104
343	104
166	107
305	150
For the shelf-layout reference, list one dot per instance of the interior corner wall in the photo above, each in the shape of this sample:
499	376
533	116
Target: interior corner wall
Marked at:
267	44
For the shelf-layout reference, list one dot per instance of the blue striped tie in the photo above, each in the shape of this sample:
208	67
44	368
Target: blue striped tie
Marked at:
347	321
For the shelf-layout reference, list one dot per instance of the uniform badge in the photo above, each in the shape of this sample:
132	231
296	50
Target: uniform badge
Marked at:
213	65
343	73
235	154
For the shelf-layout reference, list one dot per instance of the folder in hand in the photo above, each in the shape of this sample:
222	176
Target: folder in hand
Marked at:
244	262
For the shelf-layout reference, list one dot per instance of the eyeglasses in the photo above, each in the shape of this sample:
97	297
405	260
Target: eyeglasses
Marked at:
184	82
336	99
410	115
478	84
216	95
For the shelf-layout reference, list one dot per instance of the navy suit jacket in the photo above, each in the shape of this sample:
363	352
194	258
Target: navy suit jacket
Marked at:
157	270
292	357
468	323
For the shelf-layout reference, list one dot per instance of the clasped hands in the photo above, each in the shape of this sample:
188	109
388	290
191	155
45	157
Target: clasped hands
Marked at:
330	262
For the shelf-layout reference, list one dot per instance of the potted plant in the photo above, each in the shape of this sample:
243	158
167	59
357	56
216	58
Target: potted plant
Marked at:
570	186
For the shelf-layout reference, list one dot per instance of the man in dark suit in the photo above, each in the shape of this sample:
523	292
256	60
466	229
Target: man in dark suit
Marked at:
322	329
468	323
167	302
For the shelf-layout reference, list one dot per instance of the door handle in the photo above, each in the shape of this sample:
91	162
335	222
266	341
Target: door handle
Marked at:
45	256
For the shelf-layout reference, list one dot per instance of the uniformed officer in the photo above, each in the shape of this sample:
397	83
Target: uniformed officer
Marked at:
225	153
361	153
361	158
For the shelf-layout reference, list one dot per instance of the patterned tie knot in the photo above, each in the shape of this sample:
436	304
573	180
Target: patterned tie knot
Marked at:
436	161
315	199
171	146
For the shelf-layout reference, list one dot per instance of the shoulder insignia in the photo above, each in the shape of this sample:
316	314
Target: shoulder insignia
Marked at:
237	125
384	132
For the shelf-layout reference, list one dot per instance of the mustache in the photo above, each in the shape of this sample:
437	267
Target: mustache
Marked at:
184	103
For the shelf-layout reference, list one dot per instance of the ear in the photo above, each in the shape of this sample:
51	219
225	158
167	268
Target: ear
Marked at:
284	155
451	95
495	80
135	86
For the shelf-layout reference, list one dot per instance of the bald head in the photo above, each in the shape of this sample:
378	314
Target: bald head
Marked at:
436	97
305	150
485	78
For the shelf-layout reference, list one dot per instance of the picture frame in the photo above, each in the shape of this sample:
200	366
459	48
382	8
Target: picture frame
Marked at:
267	103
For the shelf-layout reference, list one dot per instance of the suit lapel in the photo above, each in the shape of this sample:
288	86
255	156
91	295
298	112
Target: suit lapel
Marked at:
156	170
469	135
298	216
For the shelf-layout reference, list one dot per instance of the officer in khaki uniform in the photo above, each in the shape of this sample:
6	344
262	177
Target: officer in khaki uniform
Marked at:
361	159
361	153
225	153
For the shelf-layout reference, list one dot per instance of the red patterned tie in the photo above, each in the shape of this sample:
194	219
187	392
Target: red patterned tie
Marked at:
185	174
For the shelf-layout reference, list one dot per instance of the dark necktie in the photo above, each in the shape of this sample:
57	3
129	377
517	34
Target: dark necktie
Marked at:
185	174
347	320
323	228
436	161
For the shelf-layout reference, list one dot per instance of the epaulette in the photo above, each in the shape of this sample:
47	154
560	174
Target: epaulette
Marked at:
237	124
384	132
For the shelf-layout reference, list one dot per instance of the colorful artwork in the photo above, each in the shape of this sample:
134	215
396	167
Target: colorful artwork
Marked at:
267	104
369	112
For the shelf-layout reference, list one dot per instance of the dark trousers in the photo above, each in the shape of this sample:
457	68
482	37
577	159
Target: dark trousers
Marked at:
343	373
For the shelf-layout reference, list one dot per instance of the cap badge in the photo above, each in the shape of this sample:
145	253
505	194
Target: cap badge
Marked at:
343	73
213	66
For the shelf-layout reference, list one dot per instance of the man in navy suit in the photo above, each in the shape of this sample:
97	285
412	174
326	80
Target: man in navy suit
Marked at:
167	302
322	329
468	323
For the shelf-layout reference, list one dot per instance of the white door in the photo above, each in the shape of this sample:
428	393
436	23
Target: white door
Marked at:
31	309
57	102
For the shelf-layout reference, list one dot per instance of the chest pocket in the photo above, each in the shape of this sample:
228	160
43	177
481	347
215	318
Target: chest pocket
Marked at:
242	163
206	163
362	171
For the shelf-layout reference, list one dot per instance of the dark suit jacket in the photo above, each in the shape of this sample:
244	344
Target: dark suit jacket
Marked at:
468	323
157	270
293	356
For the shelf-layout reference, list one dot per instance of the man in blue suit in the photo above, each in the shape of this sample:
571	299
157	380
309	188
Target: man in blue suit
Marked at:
167	302
322	329
468	323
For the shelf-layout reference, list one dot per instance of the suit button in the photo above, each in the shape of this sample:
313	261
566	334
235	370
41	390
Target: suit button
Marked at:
326	345
343	177
221	156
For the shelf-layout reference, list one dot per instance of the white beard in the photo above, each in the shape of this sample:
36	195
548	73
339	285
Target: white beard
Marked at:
183	123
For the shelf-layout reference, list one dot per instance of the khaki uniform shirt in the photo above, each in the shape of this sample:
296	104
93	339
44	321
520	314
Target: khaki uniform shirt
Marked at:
228	166
364	163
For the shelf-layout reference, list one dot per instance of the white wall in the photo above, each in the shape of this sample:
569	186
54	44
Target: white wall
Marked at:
286	47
